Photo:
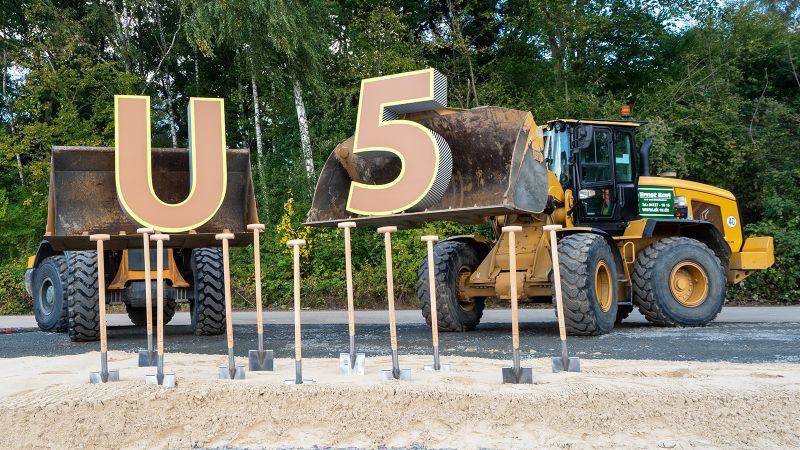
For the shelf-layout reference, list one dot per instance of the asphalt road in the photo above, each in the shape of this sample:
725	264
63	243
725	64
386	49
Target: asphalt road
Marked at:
740	334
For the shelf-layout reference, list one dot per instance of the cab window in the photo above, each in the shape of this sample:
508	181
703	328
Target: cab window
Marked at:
623	161
596	160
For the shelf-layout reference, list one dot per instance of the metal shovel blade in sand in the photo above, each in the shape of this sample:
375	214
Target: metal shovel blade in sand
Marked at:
160	378
563	363
259	360
298	343
165	380
437	366
104	375
515	374
149	357
231	371
350	363
395	373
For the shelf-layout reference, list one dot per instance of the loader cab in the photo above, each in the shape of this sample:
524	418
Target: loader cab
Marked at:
596	160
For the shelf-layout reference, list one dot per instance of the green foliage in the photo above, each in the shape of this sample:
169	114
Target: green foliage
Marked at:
716	82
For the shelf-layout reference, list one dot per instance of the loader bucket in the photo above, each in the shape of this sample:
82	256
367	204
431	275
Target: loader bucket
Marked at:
498	169
83	201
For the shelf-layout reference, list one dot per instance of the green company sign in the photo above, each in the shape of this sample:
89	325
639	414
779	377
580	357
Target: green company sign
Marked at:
656	202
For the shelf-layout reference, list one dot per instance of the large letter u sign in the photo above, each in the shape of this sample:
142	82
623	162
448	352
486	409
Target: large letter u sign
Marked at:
134	177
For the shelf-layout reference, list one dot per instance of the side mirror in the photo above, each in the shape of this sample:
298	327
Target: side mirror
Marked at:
582	136
644	157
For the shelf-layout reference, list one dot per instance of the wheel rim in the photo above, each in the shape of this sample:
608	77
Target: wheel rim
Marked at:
47	297
602	286
466	303
689	284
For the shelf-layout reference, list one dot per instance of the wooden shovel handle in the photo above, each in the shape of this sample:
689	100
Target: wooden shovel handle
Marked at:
101	287
432	288
512	272
557	279
348	269
257	228
148	279
298	347
160	238
387	240
226	270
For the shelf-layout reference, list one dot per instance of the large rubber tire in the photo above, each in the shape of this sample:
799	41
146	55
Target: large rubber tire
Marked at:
579	256
208	308
651	283
623	311
139	315
82	296
50	294
452	257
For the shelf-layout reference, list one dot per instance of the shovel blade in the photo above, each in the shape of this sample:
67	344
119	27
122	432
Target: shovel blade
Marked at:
442	368
168	380
148	359
346	366
574	364
97	377
260	361
388	374
293	381
525	376
237	372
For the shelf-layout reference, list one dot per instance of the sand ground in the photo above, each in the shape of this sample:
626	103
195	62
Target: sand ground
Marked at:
48	402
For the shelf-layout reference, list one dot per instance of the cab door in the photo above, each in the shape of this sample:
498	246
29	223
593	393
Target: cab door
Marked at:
625	175
596	195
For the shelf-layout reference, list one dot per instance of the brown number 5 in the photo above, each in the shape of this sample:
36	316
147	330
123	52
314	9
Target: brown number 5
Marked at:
424	155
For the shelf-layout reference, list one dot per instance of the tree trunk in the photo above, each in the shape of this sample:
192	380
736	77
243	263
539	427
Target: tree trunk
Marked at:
262	182
196	75
11	116
173	129
305	138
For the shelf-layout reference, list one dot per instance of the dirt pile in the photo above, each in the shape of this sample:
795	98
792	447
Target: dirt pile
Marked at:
48	402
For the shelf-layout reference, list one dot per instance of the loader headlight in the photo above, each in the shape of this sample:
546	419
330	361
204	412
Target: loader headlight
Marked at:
681	208
585	194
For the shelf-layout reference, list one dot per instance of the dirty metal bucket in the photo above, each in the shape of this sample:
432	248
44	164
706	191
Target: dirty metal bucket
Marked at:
498	169
83	199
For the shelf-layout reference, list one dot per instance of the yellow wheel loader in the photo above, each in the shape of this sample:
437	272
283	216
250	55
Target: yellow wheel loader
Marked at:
62	275
664	245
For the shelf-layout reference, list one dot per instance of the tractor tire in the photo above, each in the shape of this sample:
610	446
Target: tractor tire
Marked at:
208	308
623	311
453	260
50	294
83	297
139	315
678	281
588	284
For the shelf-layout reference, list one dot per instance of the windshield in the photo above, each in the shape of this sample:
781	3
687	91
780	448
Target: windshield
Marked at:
557	147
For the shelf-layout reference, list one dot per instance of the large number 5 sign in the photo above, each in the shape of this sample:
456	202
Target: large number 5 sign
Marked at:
426	163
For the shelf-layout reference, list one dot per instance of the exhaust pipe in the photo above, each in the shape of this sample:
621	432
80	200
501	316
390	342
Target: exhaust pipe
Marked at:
644	157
